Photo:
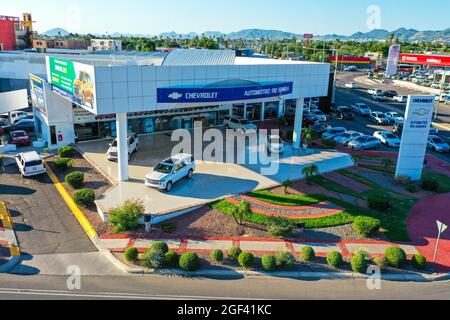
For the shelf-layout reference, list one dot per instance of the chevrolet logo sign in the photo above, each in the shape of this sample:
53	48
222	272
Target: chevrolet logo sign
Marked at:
175	95
421	112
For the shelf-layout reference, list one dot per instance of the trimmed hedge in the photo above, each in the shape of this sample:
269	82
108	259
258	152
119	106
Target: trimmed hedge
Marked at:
131	255
269	263
246	260
285	259
335	259
66	152
380	262
189	262
328	143
84	197
366	226
64	164
217	256
395	257
172	259
154	259
75	179
234	253
160	246
419	261
430	184
359	263
379	202
307	254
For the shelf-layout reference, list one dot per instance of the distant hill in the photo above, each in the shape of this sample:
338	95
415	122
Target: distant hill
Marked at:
252	34
56	32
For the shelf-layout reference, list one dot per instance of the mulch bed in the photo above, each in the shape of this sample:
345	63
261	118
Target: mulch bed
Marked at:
93	180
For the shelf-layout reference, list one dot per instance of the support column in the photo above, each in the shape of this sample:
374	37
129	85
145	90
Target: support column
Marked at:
263	111
281	108
298	124
122	145
245	111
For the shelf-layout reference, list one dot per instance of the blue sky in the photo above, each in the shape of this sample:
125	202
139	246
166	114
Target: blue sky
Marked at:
300	16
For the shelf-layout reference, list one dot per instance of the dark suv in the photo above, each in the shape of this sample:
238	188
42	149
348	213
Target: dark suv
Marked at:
344	113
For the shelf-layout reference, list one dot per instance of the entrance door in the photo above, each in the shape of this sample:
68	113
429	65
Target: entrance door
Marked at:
53	138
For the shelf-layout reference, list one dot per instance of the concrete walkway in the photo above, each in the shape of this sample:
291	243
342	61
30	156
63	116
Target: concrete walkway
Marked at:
119	243
422	228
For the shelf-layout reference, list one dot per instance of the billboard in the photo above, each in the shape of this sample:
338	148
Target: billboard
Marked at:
37	89
74	81
394	57
223	94
429	60
416	130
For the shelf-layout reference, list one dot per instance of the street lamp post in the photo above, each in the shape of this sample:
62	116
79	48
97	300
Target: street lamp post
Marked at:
333	99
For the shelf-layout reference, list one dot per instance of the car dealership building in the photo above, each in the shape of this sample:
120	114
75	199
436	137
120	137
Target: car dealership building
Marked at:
106	95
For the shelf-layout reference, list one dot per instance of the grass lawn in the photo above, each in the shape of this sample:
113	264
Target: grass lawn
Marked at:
444	181
292	200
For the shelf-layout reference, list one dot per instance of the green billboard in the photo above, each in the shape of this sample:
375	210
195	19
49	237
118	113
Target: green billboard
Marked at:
62	73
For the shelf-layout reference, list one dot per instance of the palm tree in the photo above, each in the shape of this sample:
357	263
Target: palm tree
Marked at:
310	172
356	158
240	211
387	163
287	184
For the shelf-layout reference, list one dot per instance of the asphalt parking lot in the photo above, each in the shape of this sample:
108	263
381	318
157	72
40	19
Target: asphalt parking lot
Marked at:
42	221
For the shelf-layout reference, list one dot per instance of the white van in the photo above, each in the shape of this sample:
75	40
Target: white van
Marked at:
30	164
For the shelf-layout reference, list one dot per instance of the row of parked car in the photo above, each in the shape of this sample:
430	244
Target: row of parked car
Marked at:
17	125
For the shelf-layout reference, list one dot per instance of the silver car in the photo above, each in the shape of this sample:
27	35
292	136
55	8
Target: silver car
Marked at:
364	143
344	138
436	144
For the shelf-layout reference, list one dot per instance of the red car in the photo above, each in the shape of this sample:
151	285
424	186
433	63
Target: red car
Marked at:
20	138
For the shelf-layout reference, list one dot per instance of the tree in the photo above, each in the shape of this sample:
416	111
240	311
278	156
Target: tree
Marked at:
356	158
308	136
241	211
387	163
310	172
287	184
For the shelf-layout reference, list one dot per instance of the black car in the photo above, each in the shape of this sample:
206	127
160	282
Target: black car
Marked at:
308	118
390	93
344	113
23	124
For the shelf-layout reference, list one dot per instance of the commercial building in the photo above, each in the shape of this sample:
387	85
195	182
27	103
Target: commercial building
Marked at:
15	33
74	44
105	45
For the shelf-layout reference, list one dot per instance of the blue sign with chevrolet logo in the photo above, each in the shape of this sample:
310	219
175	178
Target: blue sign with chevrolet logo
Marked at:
223	94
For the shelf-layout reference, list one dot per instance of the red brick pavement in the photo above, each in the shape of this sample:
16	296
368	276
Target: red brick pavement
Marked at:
423	229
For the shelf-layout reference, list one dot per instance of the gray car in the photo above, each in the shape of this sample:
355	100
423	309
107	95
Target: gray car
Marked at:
364	143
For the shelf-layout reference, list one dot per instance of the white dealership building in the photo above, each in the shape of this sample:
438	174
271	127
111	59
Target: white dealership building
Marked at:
106	95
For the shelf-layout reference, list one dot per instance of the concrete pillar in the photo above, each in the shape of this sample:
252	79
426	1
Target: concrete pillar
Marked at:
298	124
122	145
245	111
281	108
263	110
231	110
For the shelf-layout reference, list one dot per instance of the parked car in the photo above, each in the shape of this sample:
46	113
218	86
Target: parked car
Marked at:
319	115
133	146
19	138
319	128
400	99
15	116
388	138
398	129
331	133
364	143
379	97
309	118
23	124
394	117
351	69
240	124
171	171
275	144
390	93
344	113
379	118
433	130
361	109
30	164
351	85
437	144
374	91
344	138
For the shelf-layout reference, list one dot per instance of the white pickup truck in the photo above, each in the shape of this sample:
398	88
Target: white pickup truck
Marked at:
133	146
240	124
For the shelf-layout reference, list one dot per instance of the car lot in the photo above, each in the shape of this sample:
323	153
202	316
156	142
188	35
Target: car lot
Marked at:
43	222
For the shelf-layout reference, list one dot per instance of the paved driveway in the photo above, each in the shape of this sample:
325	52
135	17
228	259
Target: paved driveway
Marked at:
43	223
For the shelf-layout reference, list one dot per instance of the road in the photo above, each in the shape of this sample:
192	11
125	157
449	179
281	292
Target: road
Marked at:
174	288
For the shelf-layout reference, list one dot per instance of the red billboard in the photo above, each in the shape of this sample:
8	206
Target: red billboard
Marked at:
425	59
351	59
308	36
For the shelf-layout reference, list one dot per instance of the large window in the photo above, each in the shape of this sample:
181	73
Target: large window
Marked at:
271	110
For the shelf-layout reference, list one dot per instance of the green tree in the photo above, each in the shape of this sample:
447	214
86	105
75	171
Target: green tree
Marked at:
287	184
242	210
387	163
310	172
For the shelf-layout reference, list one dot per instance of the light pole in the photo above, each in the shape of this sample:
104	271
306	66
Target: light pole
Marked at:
333	99
439	99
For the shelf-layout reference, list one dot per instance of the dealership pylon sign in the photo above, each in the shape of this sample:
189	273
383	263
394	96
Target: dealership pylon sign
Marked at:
394	57
416	130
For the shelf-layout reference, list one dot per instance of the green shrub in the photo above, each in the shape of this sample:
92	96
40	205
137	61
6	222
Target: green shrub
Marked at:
366	226
285	259
64	164
75	179
328	144
335	259
395	257
233	254
168	227
419	261
307	254
380	262
131	255
154	259
217	256
171	259
189	262
126	217
246	260
84	197
65	152
379	201
161	246
269	263
359	263
411	187
430	184
280	227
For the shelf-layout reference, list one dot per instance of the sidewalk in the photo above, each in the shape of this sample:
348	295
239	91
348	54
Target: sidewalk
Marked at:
8	240
119	243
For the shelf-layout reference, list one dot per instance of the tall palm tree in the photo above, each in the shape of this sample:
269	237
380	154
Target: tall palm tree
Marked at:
387	163
356	158
310	172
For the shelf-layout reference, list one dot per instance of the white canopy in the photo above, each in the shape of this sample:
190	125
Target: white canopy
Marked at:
13	100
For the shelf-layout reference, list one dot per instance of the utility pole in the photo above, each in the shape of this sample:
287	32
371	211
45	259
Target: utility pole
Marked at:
333	99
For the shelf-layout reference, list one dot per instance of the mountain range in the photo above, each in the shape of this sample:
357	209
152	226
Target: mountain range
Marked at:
253	34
